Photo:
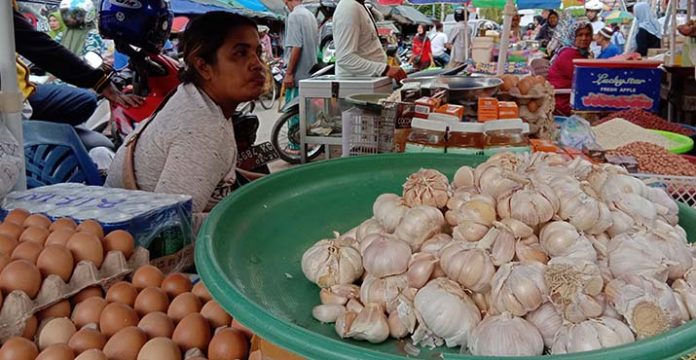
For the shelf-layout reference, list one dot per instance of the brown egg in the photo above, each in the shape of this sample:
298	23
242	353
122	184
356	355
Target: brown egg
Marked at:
17	216
57	352
28	251
539	80
120	240
183	305
238	326
201	291
85	339
147	276
38	220
18	348
123	292
115	317
215	314
86	293
125	344
7	244
11	230
30	328
59	309
20	275
91	226
34	234
193	331
55	331
88	311
176	283
63	223
55	260
92	354
151	299
160	348
59	237
86	246
525	85
4	260
156	324
533	106
228	344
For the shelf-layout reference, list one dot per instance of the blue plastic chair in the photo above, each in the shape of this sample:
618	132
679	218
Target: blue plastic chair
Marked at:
54	154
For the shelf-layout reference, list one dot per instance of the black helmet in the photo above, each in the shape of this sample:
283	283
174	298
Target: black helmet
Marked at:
459	14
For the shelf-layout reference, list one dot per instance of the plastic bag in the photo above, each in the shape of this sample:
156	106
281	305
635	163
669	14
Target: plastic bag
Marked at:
576	132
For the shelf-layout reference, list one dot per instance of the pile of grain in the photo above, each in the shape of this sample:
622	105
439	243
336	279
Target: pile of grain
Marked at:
619	132
648	120
654	159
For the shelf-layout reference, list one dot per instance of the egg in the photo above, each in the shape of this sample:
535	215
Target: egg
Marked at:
86	293
183	305
193	331
156	324
151	299
147	276
159	348
215	314
92	227
7	244
539	80
533	106
176	283
28	251
125	344
238	326
57	352
59	237
55	331
55	260
115	317
92	354
86	246
34	234
11	230
88	311
201	291
123	292
38	220
63	223
18	348
59	309
20	275
228	344
4	260
509	82
85	339
17	216
120	240
525	85
30	326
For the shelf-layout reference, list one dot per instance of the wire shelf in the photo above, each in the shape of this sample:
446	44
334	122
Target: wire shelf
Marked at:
371	130
681	188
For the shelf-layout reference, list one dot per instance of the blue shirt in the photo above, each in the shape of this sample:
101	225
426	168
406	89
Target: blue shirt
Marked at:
611	51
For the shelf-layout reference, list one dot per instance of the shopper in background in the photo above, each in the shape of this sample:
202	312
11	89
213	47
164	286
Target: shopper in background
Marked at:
618	38
81	35
301	36
545	16
515	29
603	39
575	40
649	34
592	10
266	45
457	38
421	56
437	43
55	24
359	52
548	29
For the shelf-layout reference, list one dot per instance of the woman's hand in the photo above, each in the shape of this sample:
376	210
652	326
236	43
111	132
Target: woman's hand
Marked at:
117	97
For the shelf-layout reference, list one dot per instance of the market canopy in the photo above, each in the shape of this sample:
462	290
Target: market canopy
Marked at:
521	4
197	7
403	14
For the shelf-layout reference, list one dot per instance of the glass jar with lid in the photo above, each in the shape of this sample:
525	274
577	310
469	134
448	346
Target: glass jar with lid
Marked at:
506	135
465	138
426	136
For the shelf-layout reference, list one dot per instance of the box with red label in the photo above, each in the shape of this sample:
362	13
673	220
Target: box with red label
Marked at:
453	110
508	110
426	105
487	109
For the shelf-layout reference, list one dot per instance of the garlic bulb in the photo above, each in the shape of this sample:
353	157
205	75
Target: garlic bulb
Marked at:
534	204
662	198
344	322
420	269
483	302
328	313
500	242
547	320
493	179
591	334
388	209
573	285
687	293
529	249
642	210
386	256
426	187
617	185
345	291
370	325
649	306
464	178
468	265
436	243
505	335
382	291
447	311
560	238
634	254
581	206
354	305
673	245
469	207
369	227
331	262
519	288
620	223
419	223
402	314
330	298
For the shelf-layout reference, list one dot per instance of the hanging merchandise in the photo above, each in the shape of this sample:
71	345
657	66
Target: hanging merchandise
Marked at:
521	4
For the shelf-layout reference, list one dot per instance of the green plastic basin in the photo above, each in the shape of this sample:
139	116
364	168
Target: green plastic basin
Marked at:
684	144
248	254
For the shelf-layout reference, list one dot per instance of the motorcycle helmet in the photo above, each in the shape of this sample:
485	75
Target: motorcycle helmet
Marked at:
77	13
142	23
459	14
594	5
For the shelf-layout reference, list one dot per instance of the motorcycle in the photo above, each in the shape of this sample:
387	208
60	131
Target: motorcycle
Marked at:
277	72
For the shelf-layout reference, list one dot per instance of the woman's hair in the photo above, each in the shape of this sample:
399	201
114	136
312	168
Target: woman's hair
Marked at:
204	36
553	12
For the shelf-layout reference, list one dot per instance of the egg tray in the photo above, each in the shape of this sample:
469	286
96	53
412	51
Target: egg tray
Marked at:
17	307
537	91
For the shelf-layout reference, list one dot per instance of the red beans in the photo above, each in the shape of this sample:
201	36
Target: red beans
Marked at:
655	159
648	120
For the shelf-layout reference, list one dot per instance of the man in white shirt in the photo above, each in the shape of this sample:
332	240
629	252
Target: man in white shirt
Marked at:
359	52
456	40
437	44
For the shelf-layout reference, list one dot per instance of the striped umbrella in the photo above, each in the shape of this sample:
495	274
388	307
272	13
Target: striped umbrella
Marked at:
617	16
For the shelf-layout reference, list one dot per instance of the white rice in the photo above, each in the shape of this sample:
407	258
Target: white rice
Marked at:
619	132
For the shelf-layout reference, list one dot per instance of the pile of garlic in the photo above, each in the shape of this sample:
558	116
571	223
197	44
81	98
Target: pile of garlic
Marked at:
523	255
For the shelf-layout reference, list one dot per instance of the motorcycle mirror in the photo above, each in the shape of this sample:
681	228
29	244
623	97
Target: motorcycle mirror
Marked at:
93	60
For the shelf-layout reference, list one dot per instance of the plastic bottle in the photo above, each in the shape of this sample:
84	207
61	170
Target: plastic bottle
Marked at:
466	138
426	136
506	135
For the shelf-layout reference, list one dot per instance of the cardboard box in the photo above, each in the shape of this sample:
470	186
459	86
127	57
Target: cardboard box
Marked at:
487	109
426	105
508	110
450	109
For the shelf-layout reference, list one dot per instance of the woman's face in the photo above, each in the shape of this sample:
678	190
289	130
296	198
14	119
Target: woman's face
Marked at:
516	21
583	38
421	30
53	23
553	20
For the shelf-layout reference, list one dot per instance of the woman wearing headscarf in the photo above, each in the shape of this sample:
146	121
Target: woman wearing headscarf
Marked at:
422	53
575	40
55	24
548	29
81	35
515	29
649	34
